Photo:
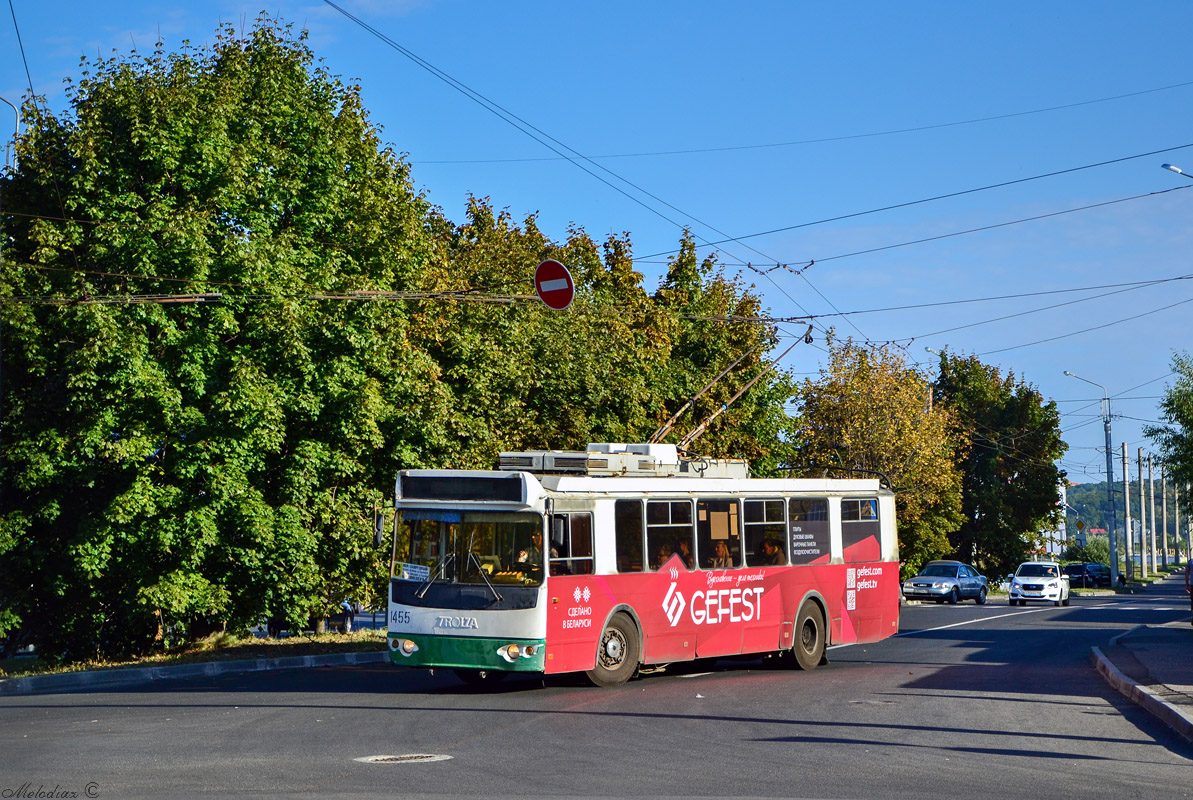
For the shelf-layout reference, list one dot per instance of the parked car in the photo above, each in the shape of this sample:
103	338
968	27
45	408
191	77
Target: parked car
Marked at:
1087	575
1040	581
946	580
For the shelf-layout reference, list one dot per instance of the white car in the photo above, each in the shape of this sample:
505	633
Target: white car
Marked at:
1040	581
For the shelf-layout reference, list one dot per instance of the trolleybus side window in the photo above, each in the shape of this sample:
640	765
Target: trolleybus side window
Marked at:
765	533
718	534
860	530
627	526
668	530
808	530
570	550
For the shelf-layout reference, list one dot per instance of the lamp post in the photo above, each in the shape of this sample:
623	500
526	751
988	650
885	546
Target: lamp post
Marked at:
1177	170
1109	478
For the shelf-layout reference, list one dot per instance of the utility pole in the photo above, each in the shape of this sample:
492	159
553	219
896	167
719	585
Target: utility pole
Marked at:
1176	522
1188	536
1129	538
1109	476
1151	498
1142	518
1164	517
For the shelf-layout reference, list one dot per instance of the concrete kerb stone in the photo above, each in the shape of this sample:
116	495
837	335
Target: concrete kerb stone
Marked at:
1143	696
135	676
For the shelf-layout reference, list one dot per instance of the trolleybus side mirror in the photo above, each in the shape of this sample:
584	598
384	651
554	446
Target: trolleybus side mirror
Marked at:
378	529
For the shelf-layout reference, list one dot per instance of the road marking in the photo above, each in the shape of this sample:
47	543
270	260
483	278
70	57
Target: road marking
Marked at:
410	758
972	621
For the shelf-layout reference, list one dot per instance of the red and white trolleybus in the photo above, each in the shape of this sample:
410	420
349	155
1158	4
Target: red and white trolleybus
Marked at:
623	557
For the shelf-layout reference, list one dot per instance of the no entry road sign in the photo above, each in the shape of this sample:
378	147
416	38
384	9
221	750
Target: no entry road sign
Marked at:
554	286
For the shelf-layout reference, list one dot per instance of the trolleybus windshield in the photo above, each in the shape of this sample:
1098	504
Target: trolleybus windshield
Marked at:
458	546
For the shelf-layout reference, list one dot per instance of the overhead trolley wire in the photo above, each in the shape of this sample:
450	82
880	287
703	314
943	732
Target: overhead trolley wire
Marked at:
549	142
821	140
934	198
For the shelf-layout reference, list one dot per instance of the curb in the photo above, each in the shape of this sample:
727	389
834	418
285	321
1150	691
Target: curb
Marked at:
135	676
1144	697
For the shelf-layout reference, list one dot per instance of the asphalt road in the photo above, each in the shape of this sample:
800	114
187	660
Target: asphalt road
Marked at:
967	701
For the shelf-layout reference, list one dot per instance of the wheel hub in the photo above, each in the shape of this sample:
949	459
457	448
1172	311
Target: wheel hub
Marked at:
613	649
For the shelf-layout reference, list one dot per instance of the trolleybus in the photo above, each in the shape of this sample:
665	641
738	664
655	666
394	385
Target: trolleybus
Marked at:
626	557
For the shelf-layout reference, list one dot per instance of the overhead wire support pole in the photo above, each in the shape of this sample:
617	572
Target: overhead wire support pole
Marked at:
1113	529
1129	538
1142	517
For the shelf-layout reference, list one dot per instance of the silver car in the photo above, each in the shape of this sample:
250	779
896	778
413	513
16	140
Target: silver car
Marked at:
946	580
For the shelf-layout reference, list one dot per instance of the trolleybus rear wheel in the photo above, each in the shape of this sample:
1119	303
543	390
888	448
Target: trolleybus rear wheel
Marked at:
617	654
809	637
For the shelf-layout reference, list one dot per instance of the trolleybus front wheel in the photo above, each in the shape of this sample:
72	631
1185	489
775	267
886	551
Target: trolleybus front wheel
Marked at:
809	637
617	654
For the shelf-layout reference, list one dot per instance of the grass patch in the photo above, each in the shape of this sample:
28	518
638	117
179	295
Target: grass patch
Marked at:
217	647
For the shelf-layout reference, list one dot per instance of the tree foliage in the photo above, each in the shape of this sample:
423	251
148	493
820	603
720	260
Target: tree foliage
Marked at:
1009	475
176	463
869	412
1174	438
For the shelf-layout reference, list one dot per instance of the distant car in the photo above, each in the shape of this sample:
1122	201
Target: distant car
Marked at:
946	580
1087	575
1040	581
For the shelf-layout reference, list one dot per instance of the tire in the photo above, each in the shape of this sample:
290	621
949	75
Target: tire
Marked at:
618	653
954	596
981	598
808	648
481	677
1065	602
1012	602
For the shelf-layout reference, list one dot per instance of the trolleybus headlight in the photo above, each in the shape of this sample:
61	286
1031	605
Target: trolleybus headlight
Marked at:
405	646
512	652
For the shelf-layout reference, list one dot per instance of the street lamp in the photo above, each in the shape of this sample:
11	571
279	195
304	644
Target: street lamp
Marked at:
1177	170
1109	478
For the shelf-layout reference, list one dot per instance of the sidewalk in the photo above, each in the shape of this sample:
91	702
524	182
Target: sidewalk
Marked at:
1153	664
139	676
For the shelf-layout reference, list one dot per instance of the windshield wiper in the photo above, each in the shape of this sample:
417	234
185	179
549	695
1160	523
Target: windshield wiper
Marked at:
484	576
439	570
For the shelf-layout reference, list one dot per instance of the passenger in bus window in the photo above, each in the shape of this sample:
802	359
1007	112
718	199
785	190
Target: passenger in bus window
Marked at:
662	554
685	553
772	552
721	558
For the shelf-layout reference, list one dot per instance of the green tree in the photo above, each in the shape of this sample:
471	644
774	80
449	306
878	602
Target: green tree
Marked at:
868	414
203	462
1096	550
1010	479
214	365
1174	438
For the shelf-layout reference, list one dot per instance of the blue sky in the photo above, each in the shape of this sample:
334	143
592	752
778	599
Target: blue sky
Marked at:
740	119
